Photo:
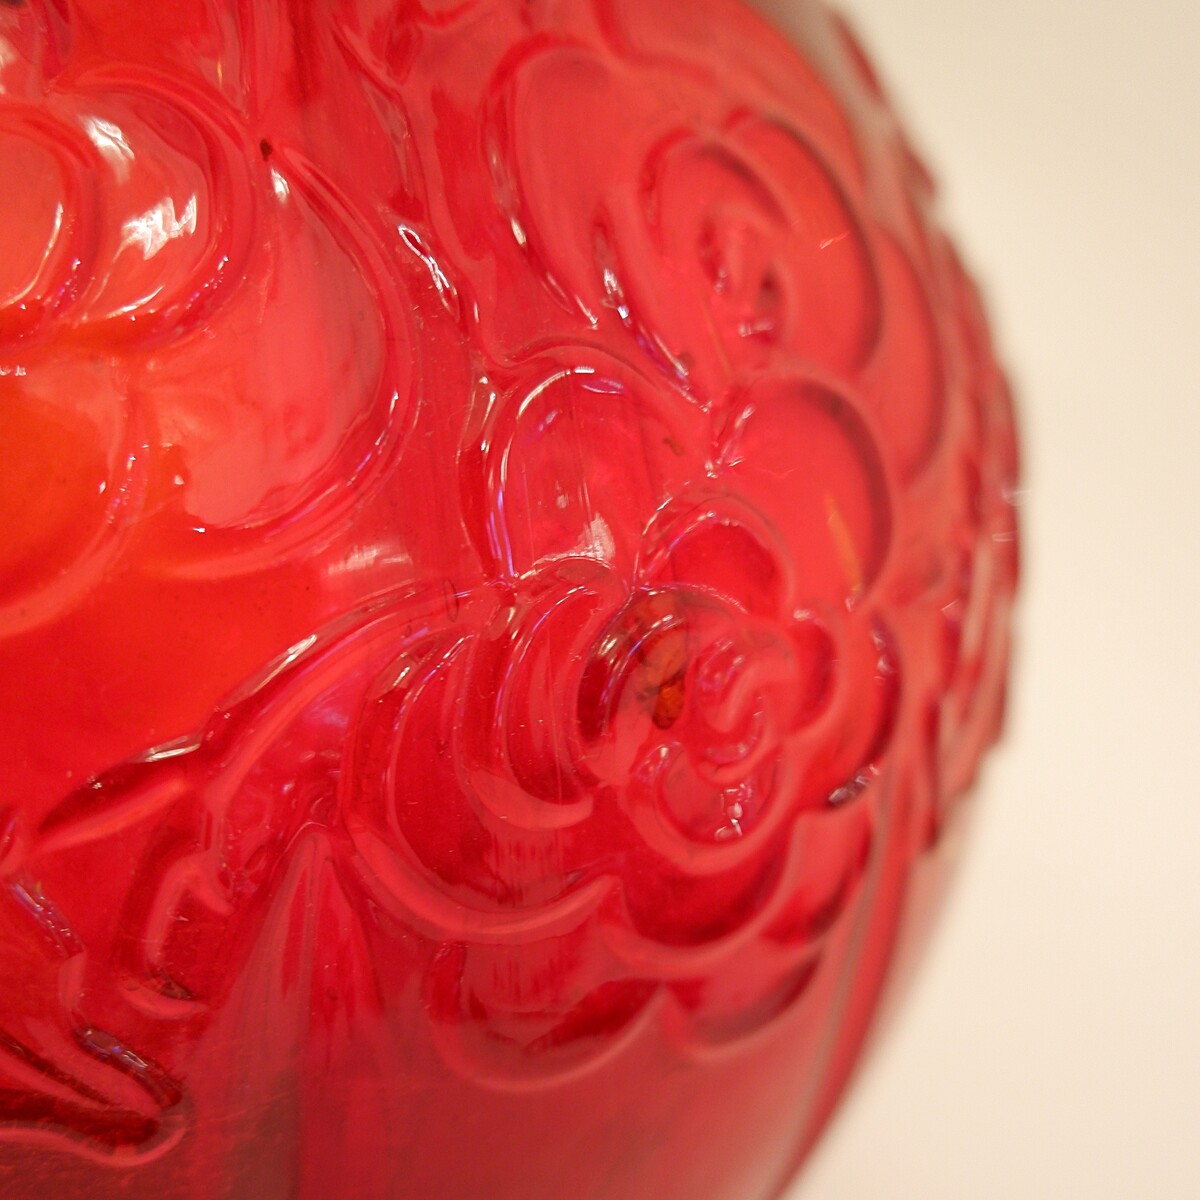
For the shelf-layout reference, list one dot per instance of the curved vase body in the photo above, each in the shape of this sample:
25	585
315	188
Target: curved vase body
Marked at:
505	567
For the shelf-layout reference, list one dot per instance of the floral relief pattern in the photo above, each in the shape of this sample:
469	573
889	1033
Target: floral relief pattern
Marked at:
646	715
156	233
629	512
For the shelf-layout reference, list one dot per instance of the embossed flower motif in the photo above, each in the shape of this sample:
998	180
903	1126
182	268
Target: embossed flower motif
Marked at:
663	691
148	232
723	232
715	231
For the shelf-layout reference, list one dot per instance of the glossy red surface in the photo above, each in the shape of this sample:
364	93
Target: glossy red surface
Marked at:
505	568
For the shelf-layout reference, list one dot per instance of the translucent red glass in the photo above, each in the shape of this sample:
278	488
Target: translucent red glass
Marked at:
505	567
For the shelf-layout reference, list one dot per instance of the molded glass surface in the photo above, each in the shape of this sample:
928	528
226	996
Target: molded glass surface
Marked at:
505	567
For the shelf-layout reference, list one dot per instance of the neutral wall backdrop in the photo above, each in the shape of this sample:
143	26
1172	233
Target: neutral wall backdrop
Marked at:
1050	1047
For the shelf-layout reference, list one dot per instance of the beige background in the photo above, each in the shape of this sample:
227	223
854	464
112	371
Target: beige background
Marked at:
1051	1045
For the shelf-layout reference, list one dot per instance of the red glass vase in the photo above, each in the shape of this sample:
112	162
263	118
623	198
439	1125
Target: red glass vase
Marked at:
506	557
